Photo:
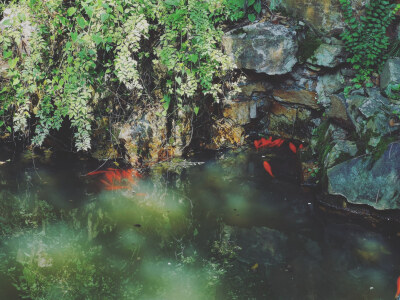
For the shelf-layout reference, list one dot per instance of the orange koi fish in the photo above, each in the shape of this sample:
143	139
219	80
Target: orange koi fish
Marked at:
268	143
276	143
262	142
292	147
113	178
267	168
398	289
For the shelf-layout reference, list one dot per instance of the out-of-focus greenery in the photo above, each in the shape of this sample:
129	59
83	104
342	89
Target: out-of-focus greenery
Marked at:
117	247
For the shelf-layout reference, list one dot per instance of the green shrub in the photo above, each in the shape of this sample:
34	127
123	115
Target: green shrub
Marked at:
81	49
365	38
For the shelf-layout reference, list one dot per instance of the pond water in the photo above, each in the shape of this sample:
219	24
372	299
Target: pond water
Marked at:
223	229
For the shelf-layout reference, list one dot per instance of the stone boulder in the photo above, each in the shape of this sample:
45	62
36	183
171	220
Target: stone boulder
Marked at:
289	122
325	15
363	180
302	97
263	47
337	111
240	105
328	56
341	151
225	133
371	116
145	136
390	75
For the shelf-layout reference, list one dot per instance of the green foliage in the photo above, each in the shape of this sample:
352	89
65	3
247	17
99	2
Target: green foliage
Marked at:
393	91
80	51
365	38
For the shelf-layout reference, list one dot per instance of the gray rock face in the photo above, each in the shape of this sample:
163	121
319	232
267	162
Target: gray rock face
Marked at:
289	122
342	149
262	47
328	56
337	111
145	136
370	115
390	73
327	85
363	181
332	83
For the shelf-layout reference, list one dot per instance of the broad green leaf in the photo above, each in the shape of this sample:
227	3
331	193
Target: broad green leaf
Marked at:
7	54
13	62
6	22
196	110
68	46
104	17
71	11
89	11
74	36
251	17
257	7
250	2
97	39
21	17
193	58
81	22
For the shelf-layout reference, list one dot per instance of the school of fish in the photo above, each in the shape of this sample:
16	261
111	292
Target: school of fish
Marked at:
269	143
117	179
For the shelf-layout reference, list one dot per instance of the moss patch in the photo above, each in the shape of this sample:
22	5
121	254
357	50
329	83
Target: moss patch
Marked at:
382	146
308	45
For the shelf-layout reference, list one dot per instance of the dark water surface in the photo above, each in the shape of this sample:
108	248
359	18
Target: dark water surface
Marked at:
220	230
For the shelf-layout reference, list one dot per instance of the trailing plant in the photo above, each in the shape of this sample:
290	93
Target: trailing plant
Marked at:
79	51
393	91
365	38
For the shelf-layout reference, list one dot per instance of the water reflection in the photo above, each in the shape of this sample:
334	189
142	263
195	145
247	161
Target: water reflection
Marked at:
222	230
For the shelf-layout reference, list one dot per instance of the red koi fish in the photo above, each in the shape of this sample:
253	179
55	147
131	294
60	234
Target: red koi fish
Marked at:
268	143
292	147
267	168
301	146
398	289
114	177
276	143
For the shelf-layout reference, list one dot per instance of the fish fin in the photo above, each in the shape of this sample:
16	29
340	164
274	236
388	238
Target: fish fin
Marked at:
95	173
105	182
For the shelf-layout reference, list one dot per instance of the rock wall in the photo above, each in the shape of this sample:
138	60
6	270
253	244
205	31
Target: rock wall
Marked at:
324	15
350	137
